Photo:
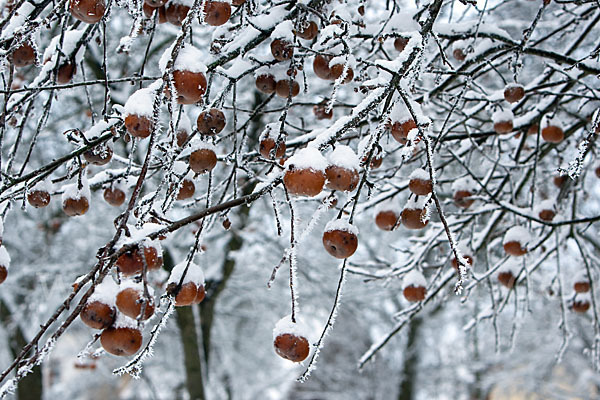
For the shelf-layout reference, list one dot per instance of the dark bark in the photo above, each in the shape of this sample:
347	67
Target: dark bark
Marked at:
30	387
189	340
407	390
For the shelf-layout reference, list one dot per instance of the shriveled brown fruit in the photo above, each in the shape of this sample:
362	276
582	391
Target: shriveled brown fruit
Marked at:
414	293
131	261
340	243
23	56
292	347
176	13
186	295
74	207
321	67
38	198
190	86
181	137
462	198
320	111
98	315
597	172
553	134
3	273
155	3
400	130
533	129
454	262
200	295
217	13
309	30
400	43
266	83
138	126
547	215
130	302
114	196
502	127
386	220
514	93
282	88
66	71
559	180
361	10
121	341
268	144
340	178
412	218
99	155
237	3
459	54
420	187
203	160
282	50
507	279
338	69
186	190
304	181
88	11
211	122
581	287
162	13
514	248
580	306
376	160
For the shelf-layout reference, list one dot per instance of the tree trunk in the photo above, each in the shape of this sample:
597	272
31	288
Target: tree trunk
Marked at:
30	387
189	339
191	352
410	362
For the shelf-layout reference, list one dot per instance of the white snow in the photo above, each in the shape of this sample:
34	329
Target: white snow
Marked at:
140	103
419	174
98	129
138	286
283	30
544	205
44	185
343	156
341	224
517	234
106	292
188	59
4	258
307	158
68	46
466	183
123	321
270	131
285	325
194	274
72	191
414	278
180	168
199	144
417	202
502	116
17	20
184	123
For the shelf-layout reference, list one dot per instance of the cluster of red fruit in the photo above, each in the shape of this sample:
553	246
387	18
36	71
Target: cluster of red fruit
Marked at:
120	309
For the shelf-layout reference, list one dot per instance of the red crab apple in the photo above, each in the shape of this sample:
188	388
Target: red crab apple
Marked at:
414	286
553	134
305	173
281	49
307	30
266	83
131	262
516	240
88	11
121	341
420	183
507	279
23	55
386	219
211	122
290	341
514	93
98	315
340	239
114	196
130	301
342	171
